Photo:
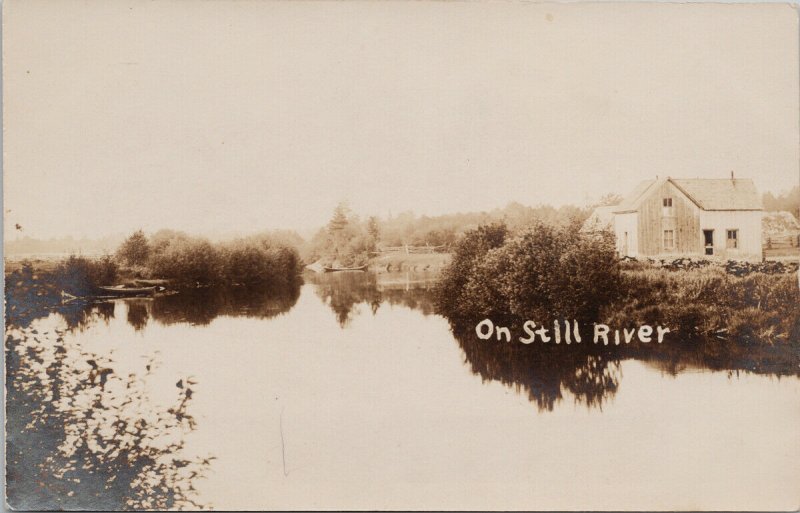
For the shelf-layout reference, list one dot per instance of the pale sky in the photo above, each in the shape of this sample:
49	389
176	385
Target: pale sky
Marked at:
248	115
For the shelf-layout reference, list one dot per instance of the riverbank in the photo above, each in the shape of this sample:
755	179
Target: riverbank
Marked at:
394	262
551	273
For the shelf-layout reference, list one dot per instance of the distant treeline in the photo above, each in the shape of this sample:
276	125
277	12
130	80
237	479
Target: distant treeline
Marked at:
63	245
350	240
789	201
406	228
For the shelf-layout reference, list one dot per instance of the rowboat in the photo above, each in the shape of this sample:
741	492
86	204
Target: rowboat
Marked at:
337	269
127	292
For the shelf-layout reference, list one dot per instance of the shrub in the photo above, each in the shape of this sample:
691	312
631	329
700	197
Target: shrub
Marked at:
451	291
82	276
259	261
189	261
560	273
545	273
186	261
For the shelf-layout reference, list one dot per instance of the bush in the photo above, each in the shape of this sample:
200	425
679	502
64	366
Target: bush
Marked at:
555	273
81	276
258	261
545	273
186	261
253	261
451	291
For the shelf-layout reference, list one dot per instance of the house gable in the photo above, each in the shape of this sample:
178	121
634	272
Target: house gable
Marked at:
665	230
705	194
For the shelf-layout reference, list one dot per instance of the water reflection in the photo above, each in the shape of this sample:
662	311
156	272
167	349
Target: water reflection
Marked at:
343	292
137	313
543	373
591	373
85	431
203	306
81	432
80	435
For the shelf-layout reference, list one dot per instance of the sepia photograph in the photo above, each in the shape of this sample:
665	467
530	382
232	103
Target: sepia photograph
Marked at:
401	255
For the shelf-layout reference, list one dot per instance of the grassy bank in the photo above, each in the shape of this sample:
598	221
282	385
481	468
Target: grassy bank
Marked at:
756	308
558	273
393	262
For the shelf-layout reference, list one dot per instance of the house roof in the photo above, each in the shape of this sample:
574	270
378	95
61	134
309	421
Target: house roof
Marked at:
602	218
706	193
638	194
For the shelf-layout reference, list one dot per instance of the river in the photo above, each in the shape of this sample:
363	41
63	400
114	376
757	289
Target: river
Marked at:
351	393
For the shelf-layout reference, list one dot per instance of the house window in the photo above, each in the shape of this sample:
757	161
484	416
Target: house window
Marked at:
669	239
732	239
666	211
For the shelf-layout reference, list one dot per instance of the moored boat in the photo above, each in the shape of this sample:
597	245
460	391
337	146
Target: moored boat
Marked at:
131	291
337	269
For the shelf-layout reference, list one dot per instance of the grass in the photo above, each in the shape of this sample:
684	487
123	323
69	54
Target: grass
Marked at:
756	308
39	265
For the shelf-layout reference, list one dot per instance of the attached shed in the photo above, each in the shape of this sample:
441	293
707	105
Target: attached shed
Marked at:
600	220
710	218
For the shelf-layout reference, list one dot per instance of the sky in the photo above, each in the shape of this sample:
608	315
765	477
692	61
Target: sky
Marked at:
211	116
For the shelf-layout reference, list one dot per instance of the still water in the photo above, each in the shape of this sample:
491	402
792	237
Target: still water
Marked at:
350	393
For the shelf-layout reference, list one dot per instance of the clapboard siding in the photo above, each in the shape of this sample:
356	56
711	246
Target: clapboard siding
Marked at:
685	222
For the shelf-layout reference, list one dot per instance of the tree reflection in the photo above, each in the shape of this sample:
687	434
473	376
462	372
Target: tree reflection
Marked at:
203	306
137	313
591	373
343	292
545	371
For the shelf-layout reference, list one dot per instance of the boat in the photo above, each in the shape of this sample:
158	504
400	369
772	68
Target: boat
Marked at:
119	291
338	269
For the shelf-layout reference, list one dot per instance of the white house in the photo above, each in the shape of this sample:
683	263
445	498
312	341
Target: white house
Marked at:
710	218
